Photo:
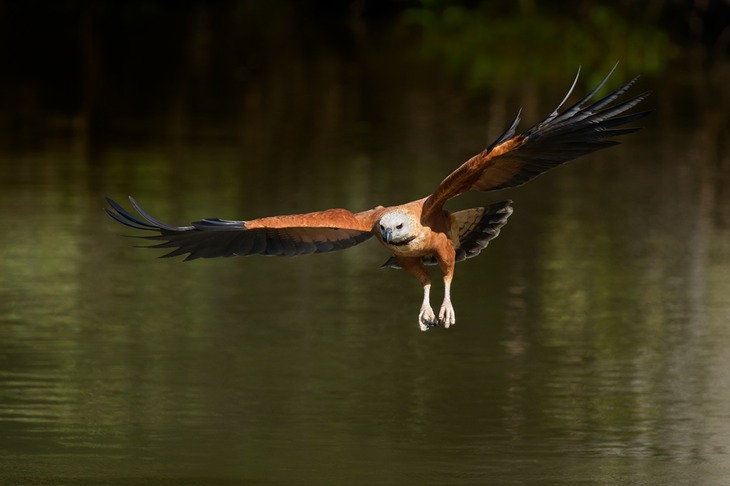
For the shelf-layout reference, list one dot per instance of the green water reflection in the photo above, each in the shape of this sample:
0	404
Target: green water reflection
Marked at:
592	344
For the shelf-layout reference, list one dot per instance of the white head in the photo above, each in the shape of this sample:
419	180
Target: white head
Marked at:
397	227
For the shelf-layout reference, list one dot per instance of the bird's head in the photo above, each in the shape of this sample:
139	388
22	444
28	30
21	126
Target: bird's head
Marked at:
397	227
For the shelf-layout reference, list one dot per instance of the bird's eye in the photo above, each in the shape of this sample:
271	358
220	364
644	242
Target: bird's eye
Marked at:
382	227
400	226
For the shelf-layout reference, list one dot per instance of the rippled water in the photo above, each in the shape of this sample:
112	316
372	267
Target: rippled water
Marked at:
592	343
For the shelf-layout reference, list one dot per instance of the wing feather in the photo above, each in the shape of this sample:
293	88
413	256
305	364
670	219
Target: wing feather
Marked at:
291	235
515	159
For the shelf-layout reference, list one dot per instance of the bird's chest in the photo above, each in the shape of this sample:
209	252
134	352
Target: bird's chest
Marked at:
426	242
415	247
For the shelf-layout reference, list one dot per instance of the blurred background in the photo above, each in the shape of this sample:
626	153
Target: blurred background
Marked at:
592	343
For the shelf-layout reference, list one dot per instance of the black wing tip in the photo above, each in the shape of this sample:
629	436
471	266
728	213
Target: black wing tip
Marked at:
601	113
147	222
173	238
508	133
162	226
121	215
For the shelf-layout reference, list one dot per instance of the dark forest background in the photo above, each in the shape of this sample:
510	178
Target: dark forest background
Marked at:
152	66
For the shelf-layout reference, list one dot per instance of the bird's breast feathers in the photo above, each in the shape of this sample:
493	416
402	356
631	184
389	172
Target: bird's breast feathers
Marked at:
424	242
413	246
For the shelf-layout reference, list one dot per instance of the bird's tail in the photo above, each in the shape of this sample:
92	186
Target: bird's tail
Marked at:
477	227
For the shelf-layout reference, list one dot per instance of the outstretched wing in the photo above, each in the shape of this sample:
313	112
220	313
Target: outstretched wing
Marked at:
513	160
295	234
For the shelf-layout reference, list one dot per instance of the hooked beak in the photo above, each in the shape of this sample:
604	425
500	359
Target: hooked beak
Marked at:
387	235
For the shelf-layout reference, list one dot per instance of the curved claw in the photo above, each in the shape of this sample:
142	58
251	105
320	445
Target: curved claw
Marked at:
447	316
426	318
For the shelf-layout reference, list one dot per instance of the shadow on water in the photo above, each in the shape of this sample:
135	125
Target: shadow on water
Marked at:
592	340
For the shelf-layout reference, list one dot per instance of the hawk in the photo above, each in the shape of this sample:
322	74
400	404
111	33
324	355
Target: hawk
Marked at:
421	232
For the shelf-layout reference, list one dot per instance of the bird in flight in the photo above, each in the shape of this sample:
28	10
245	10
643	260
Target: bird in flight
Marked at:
420	232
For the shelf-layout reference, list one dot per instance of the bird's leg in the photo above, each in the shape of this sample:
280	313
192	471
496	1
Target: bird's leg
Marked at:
446	260
414	266
446	314
426	317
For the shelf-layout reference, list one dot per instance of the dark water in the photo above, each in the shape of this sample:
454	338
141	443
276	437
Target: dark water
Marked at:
592	343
